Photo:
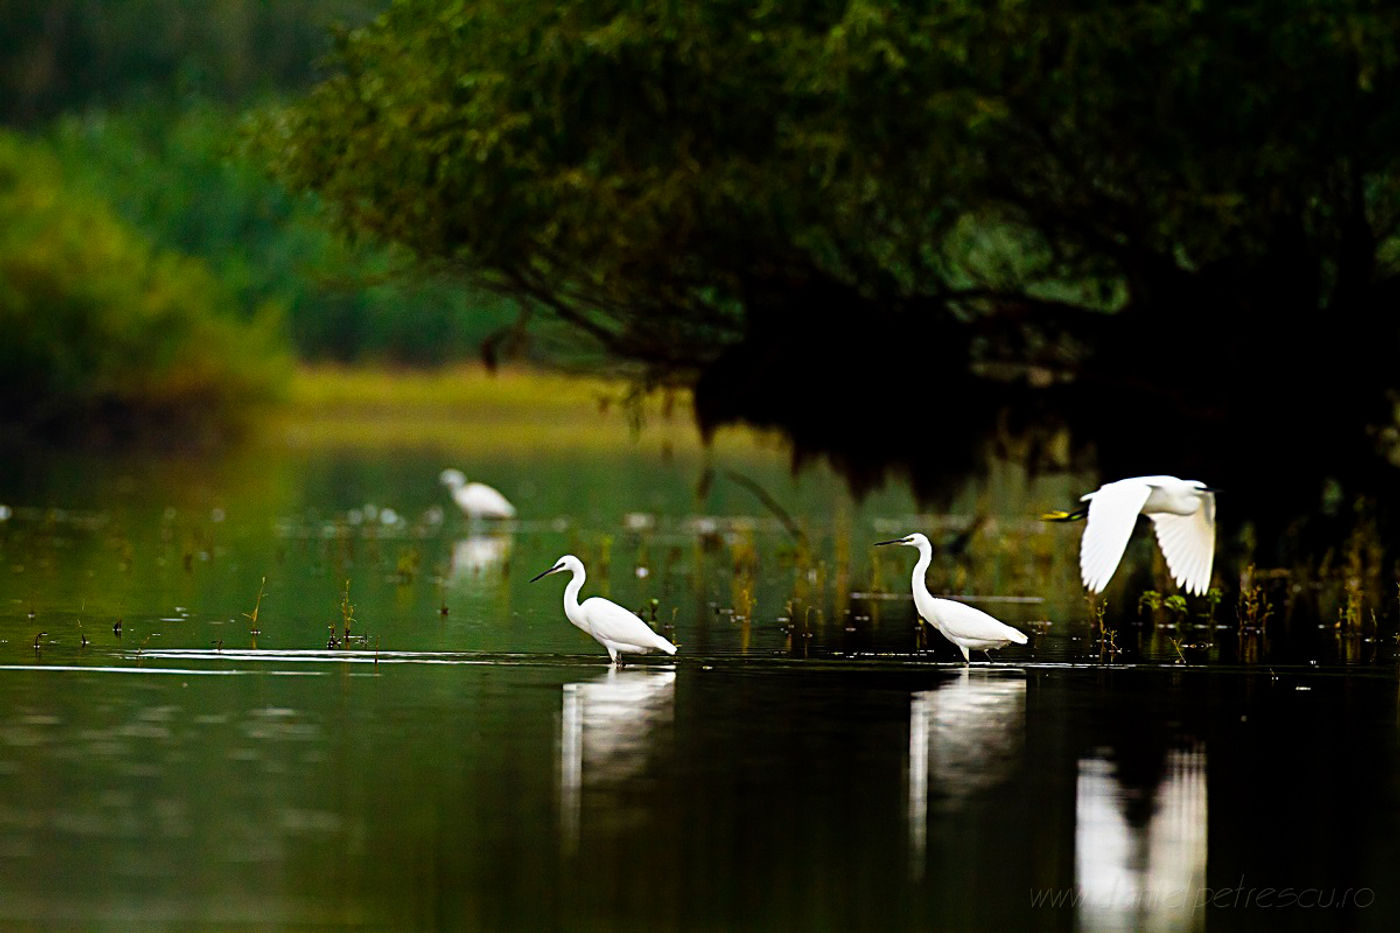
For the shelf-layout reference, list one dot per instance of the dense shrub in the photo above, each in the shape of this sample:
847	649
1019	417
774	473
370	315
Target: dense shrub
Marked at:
103	331
178	173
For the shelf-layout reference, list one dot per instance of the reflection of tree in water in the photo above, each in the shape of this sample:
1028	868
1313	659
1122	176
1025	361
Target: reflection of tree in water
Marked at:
964	738
1141	867
606	731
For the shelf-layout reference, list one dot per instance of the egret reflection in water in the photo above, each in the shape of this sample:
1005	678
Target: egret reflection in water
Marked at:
1146	876
964	737
480	556
606	730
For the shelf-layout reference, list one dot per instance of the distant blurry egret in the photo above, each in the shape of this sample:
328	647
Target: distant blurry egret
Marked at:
616	629
1182	513
969	628
476	500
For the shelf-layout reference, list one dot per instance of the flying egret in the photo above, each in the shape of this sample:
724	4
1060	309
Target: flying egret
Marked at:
1182	513
966	626
476	500
616	629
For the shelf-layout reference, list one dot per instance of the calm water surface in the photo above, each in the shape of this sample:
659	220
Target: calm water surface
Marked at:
468	760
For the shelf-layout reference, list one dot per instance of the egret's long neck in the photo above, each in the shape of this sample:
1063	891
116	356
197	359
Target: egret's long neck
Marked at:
921	568
571	606
922	597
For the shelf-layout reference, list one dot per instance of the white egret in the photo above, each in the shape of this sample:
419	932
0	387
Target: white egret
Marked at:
616	629
1182	513
476	500
966	626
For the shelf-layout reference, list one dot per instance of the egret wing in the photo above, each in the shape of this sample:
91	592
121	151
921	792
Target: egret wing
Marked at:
969	622
1113	510
609	622
1188	544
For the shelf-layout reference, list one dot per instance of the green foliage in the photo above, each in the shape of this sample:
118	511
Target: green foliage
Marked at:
619	159
1176	605
140	102
102	327
180	175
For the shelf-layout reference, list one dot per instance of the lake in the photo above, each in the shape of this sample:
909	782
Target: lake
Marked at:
810	759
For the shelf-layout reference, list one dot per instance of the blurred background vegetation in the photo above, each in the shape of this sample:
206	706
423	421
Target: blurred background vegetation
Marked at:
154	280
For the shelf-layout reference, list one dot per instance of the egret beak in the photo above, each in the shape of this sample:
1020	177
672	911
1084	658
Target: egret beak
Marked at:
895	541
1058	515
540	576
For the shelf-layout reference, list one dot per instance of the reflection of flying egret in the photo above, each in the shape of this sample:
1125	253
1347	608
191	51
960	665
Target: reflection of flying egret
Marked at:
969	628
616	629
1182	513
1141	877
479	555
476	500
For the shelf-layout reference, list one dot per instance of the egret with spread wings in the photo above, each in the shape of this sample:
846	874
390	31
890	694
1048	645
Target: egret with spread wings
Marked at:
1182	513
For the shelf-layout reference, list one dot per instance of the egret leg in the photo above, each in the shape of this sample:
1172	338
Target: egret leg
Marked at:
612	653
967	655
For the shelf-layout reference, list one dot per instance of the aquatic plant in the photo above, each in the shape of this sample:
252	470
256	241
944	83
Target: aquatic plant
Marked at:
1108	644
347	620
1254	608
1349	613
1098	608
406	567
1150	600
257	607
743	553
1213	598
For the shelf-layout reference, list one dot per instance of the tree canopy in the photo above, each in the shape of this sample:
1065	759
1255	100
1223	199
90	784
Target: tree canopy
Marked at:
1168	225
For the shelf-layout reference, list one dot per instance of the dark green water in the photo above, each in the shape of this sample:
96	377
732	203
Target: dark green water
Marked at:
805	762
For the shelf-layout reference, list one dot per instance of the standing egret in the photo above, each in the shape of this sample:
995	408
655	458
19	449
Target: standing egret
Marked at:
1182	513
476	500
969	628
616	629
